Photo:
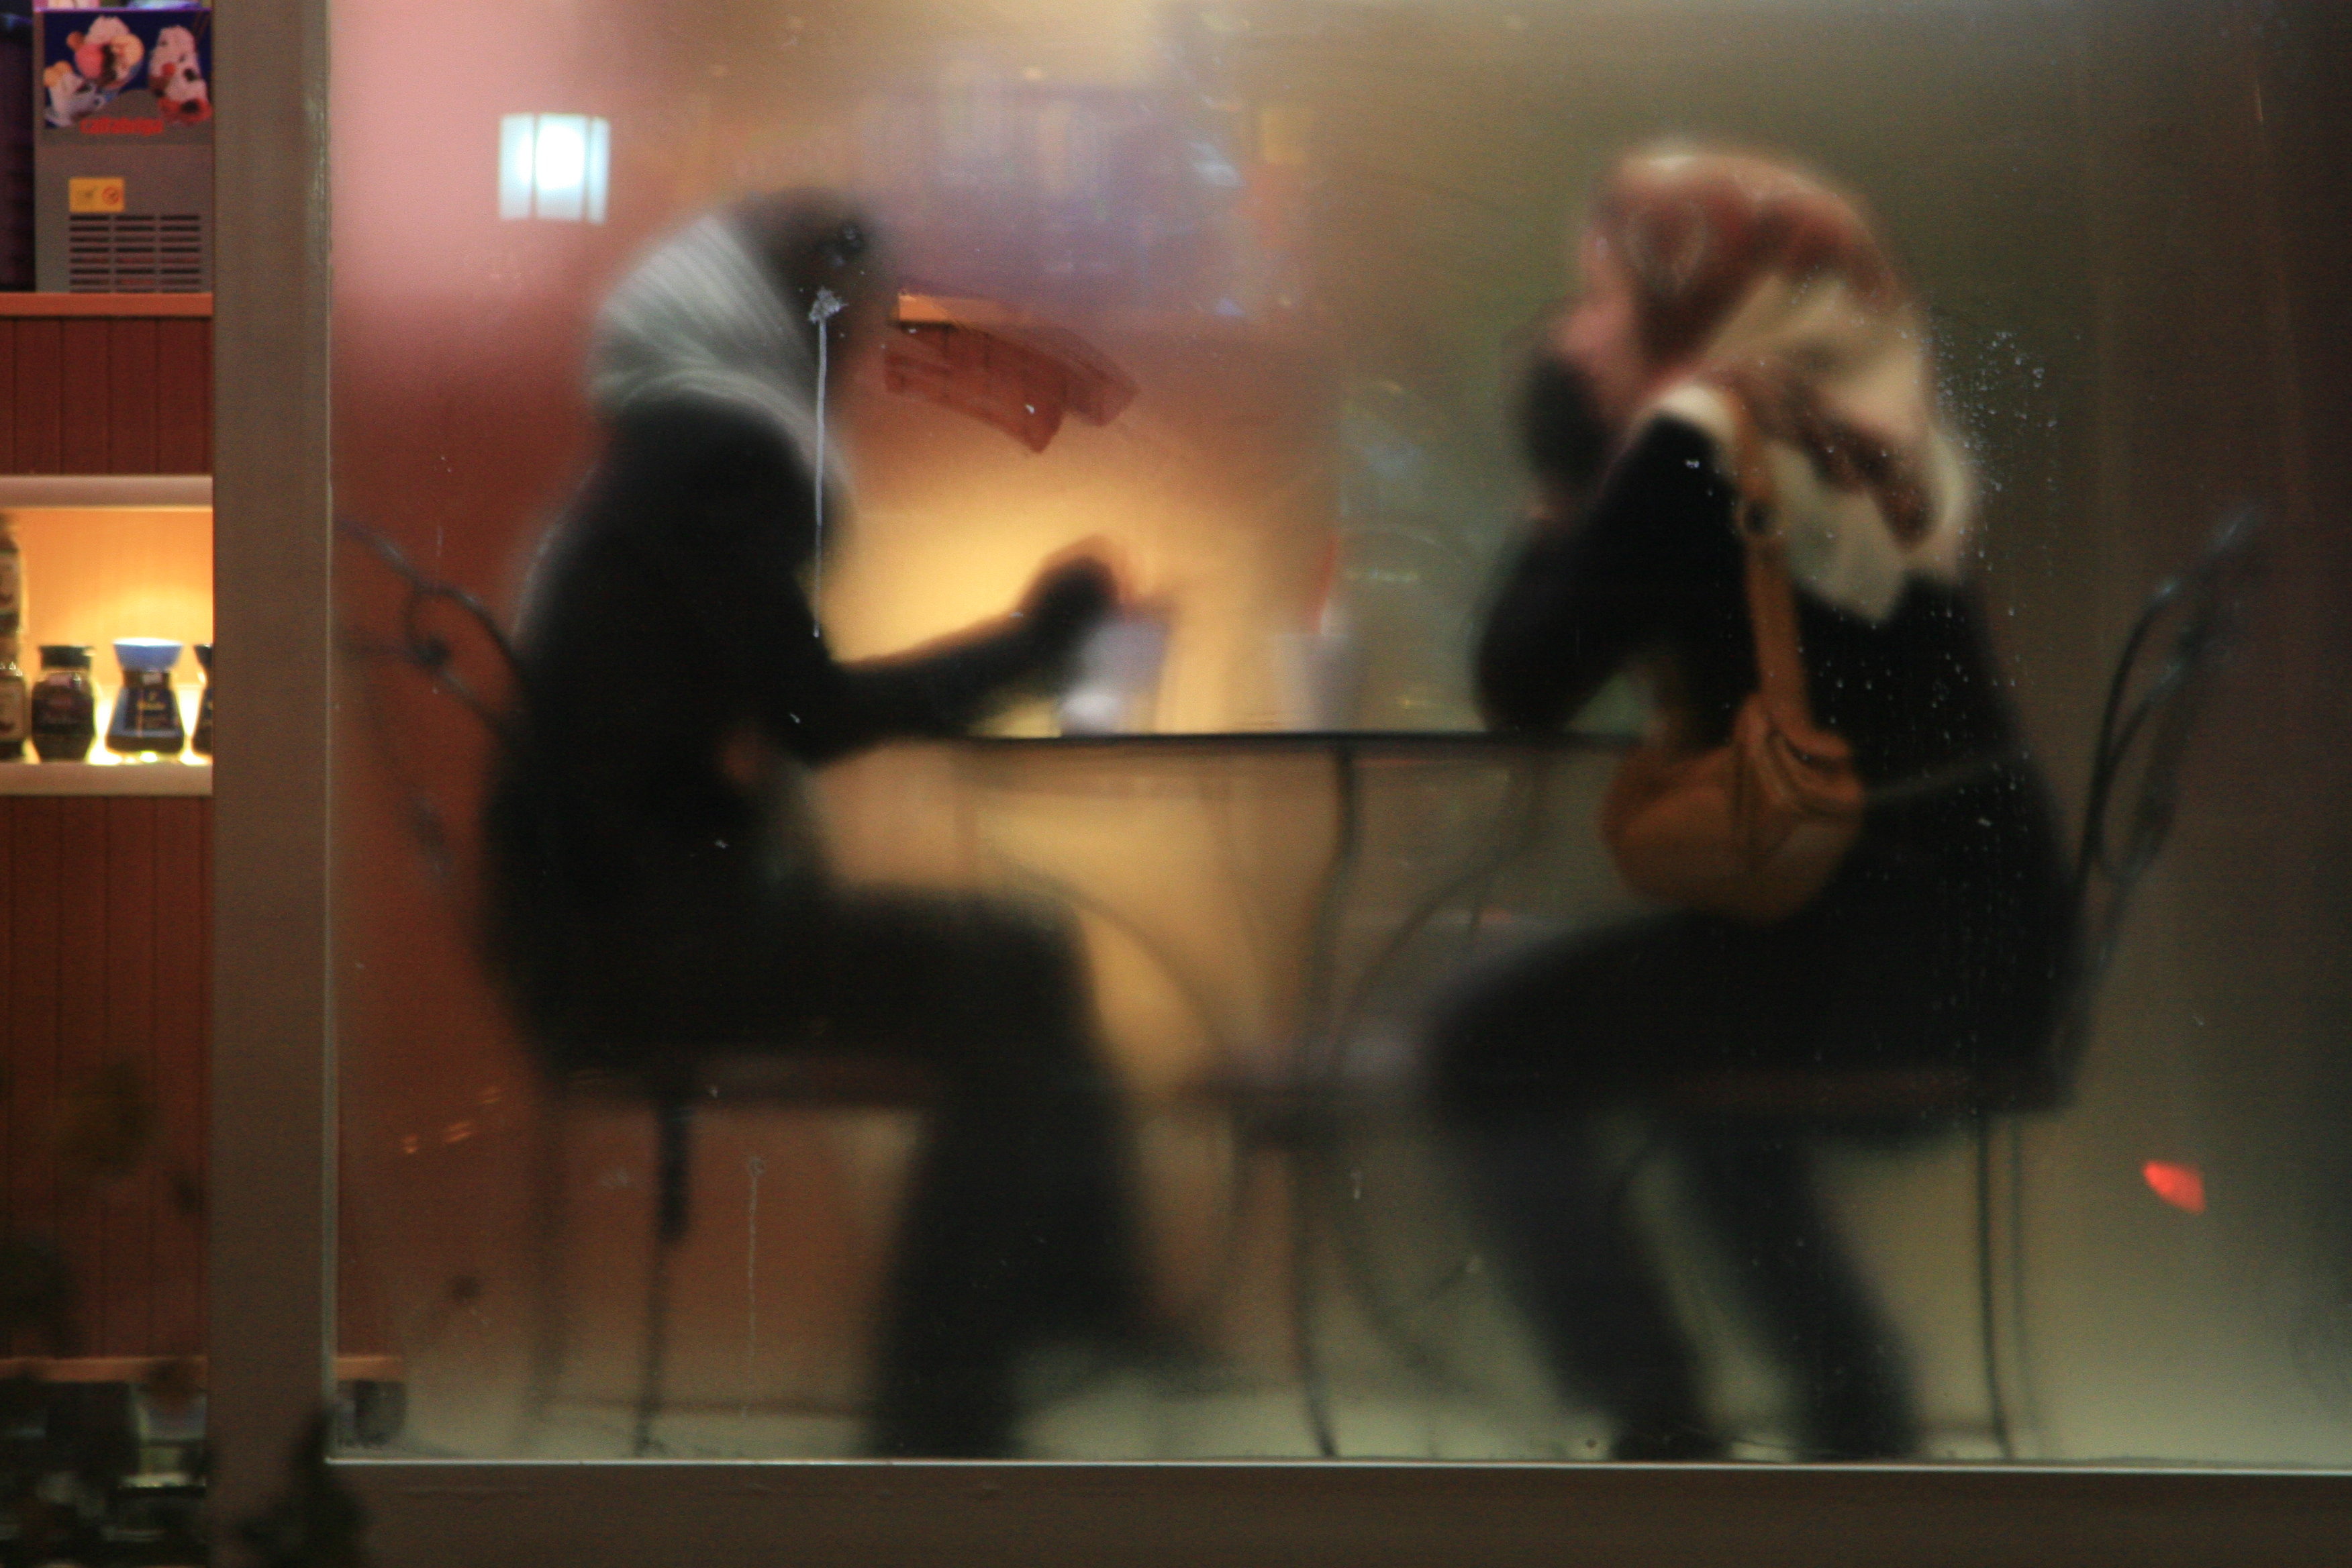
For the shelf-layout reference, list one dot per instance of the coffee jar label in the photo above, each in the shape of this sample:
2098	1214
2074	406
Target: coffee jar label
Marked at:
60	708
153	711
12	710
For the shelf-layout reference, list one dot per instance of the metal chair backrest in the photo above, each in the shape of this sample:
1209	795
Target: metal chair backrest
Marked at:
2177	642
425	646
2155	697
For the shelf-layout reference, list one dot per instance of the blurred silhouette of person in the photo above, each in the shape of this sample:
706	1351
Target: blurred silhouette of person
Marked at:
659	891
1943	939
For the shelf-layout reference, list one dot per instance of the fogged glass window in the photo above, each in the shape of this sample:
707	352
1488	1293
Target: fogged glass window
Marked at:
1435	730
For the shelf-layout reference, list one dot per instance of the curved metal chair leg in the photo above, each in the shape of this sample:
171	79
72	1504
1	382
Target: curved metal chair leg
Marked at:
675	1130
550	1336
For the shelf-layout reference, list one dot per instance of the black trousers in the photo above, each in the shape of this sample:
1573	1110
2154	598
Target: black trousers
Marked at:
1946	946
1018	1229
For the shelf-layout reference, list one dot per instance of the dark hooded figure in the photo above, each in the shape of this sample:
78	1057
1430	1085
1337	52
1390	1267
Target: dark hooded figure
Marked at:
1943	941
658	894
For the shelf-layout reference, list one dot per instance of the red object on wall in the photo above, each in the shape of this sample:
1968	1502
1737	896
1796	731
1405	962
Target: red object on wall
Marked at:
105	1008
2182	1186
90	393
1000	367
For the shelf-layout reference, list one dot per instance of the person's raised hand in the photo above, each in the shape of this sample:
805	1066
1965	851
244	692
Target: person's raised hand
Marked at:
1072	592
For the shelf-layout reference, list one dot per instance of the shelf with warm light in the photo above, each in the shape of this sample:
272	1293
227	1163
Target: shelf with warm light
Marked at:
109	556
105	776
86	492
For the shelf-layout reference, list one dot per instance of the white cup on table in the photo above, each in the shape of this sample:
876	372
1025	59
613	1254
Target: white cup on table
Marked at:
1116	691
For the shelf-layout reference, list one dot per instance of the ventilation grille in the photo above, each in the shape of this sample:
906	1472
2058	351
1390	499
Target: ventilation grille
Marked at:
135	252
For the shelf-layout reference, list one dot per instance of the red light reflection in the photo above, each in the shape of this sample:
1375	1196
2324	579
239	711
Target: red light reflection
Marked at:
2182	1186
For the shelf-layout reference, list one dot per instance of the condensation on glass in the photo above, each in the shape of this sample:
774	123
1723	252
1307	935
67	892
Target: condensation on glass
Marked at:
1277	268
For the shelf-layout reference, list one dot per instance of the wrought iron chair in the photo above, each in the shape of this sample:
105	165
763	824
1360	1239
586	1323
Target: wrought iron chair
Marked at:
829	1076
2155	693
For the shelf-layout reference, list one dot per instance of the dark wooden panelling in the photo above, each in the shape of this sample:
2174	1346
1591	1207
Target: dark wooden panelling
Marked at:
9	993
131	370
85	390
99	394
83	1054
31	1022
183	895
184	398
126	1307
105	976
38	412
8	389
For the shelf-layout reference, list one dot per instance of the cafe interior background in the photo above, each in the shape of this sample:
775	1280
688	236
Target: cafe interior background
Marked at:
1314	233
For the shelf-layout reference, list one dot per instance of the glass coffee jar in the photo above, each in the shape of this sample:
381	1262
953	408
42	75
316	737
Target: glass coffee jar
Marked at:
200	742
146	723
14	709
65	704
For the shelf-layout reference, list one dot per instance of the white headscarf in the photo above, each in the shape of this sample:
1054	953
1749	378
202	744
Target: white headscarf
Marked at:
1869	369
1830	352
702	317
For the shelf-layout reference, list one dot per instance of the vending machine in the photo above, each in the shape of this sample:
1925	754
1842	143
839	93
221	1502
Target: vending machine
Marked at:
122	156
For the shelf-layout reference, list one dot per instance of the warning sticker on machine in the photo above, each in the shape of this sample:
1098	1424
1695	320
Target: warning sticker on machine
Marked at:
100	195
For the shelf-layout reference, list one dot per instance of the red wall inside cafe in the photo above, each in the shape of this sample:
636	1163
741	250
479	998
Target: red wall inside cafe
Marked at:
459	424
459	428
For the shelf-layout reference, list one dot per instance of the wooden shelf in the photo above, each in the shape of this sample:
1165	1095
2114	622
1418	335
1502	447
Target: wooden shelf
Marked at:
16	304
120	779
143	1368
77	492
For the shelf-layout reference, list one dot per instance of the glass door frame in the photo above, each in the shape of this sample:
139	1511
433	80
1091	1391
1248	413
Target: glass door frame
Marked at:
274	1161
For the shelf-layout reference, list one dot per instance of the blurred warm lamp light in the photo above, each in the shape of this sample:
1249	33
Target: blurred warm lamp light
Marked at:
555	166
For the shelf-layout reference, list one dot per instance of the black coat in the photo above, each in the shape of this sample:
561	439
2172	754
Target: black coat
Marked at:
638	865
1946	936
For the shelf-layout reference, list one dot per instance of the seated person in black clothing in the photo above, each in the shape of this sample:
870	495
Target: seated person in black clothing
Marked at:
658	894
1941	941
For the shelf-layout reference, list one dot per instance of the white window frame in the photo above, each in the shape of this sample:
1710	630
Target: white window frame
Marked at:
274	1177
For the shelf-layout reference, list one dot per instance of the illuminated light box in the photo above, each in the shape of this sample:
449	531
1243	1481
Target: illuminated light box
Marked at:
556	166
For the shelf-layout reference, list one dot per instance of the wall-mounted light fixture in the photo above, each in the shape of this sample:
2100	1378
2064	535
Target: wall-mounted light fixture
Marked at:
554	166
